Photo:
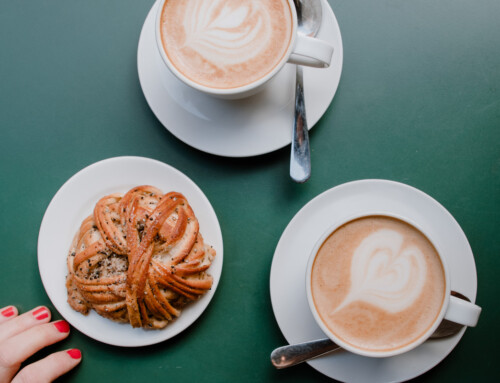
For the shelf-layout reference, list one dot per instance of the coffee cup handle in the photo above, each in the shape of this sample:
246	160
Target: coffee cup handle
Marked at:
462	312
311	52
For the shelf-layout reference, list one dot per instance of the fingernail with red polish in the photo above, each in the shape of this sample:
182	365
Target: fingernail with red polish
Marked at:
41	313
74	353
8	312
62	326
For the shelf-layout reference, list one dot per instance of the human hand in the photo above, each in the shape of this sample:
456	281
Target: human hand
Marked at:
22	336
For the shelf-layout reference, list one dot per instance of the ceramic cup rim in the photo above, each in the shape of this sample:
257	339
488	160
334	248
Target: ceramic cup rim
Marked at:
331	335
241	90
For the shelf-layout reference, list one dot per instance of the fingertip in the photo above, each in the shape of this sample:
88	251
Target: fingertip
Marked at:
8	312
41	313
75	353
62	326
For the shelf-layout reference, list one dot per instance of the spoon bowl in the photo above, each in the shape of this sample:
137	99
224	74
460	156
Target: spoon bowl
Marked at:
309	14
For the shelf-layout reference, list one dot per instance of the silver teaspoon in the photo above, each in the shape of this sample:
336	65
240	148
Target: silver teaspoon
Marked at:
309	14
291	355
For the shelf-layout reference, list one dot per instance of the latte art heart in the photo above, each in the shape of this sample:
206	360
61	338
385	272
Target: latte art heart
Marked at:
377	283
386	274
226	43
224	33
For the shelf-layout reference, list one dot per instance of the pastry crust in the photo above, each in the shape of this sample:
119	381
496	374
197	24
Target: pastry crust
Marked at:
139	258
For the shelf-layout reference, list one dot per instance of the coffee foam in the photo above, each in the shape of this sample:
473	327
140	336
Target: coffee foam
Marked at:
225	43
385	274
377	283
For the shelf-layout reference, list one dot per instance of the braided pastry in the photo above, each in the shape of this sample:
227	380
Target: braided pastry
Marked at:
139	259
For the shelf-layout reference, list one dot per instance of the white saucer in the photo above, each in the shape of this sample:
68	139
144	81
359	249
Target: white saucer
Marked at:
238	128
75	201
287	281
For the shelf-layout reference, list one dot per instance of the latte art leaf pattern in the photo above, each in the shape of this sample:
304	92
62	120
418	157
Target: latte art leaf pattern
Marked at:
386	274
224	33
225	44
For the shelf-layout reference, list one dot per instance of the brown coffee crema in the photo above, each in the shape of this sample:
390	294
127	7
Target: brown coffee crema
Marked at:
226	44
378	283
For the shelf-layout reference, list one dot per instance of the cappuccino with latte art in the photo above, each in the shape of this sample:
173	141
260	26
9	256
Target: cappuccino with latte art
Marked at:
226	44
377	283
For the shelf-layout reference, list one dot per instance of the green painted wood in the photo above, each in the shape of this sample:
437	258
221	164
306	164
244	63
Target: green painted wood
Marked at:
418	102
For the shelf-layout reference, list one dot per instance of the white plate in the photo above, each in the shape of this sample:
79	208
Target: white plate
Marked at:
242	128
75	201
287	281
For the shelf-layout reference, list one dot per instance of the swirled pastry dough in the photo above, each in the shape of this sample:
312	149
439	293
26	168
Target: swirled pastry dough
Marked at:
139	258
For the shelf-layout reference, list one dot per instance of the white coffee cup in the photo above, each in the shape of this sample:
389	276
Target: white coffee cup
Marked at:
454	309
302	50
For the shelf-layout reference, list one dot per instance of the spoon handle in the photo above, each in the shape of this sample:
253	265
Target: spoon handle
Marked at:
300	157
288	356
293	354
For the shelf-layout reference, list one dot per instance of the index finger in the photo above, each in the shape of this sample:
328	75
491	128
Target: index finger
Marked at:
15	324
18	348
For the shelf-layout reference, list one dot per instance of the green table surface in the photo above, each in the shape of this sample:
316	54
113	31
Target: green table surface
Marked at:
418	102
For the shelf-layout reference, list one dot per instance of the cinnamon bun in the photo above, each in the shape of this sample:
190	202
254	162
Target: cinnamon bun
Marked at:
139	258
